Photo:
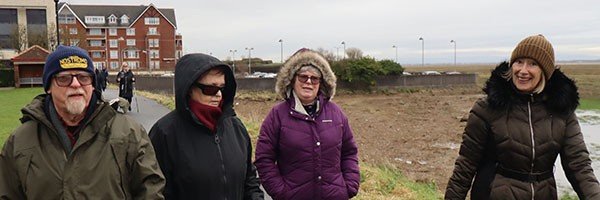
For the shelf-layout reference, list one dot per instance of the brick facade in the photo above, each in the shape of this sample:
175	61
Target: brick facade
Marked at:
153	46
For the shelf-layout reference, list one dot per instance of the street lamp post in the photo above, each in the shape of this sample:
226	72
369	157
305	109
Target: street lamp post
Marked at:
233	59
281	42
454	41
249	58
396	47
344	43
57	32
422	51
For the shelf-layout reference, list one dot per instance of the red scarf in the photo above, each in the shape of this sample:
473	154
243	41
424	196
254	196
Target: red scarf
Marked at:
208	115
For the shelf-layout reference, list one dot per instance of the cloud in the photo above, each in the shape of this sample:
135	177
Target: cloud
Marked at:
485	31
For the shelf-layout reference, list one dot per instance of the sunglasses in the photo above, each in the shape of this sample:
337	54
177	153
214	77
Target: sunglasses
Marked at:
65	80
304	79
209	89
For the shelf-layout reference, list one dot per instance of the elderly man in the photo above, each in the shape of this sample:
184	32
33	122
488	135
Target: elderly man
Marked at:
73	145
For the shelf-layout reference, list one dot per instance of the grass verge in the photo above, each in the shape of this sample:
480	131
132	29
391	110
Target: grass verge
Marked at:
377	182
589	104
10	109
385	182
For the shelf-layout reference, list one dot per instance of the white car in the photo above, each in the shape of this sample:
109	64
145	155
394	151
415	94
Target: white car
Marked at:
430	73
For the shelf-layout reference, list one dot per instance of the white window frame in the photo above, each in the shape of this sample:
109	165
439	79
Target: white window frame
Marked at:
130	42
112	19
124	19
112	31
96	54
66	19
94	20
73	31
130	31
95	43
95	31
114	65
133	64
114	54
132	54
154	54
152	31
113	43
154	64
153	43
152	21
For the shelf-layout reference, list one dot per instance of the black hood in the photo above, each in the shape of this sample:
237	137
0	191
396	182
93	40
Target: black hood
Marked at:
188	70
560	94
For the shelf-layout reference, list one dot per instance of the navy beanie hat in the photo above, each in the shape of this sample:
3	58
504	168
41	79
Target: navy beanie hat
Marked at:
66	58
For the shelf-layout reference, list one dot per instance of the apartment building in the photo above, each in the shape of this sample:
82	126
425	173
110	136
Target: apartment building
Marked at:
143	36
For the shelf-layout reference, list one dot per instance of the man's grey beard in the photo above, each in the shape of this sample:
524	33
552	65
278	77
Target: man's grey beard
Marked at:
75	107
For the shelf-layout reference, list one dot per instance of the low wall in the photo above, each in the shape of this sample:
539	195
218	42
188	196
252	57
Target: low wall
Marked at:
165	84
426	80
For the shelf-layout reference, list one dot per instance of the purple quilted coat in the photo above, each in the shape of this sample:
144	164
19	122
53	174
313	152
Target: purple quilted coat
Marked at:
299	157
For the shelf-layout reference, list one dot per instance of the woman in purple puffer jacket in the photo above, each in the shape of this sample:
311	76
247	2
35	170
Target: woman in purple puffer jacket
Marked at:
306	149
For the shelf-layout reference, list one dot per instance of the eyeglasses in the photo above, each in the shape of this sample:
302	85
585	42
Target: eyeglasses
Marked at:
65	80
209	89
304	79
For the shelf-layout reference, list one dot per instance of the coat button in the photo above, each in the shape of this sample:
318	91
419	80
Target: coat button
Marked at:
319	177
318	143
291	112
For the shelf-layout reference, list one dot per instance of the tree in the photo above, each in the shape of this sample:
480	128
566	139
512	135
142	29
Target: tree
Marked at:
361	72
329	56
390	67
354	53
66	38
39	38
17	38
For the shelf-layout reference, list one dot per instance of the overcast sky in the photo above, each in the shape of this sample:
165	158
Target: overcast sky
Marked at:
484	30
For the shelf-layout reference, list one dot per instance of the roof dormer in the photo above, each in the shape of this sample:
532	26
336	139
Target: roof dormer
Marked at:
112	19
124	19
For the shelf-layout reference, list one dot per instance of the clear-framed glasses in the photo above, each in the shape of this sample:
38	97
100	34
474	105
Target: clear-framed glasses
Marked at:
304	79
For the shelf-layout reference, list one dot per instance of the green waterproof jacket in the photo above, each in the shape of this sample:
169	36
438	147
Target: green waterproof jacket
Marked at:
112	159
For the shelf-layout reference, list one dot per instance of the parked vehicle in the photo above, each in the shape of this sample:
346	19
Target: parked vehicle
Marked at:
430	73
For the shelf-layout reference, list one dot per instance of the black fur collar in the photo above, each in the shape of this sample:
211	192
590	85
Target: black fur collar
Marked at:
560	94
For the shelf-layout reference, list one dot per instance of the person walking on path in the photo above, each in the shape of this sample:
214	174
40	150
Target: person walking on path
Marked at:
73	145
306	148
514	135
104	81
126	81
203	149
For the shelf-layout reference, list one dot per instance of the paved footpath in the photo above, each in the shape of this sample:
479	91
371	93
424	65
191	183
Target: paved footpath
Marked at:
150	112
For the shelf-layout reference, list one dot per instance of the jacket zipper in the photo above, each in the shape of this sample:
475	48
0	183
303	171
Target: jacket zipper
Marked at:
218	142
532	147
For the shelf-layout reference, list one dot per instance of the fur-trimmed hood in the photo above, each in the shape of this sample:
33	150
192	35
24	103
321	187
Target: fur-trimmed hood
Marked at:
560	94
284	83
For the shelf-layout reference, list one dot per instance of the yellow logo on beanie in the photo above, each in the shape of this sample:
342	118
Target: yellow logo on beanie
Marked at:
73	62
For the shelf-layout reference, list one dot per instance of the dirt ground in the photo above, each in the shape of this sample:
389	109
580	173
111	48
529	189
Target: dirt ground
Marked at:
418	132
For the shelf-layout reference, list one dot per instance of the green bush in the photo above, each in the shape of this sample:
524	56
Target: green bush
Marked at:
7	78
361	71
391	68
